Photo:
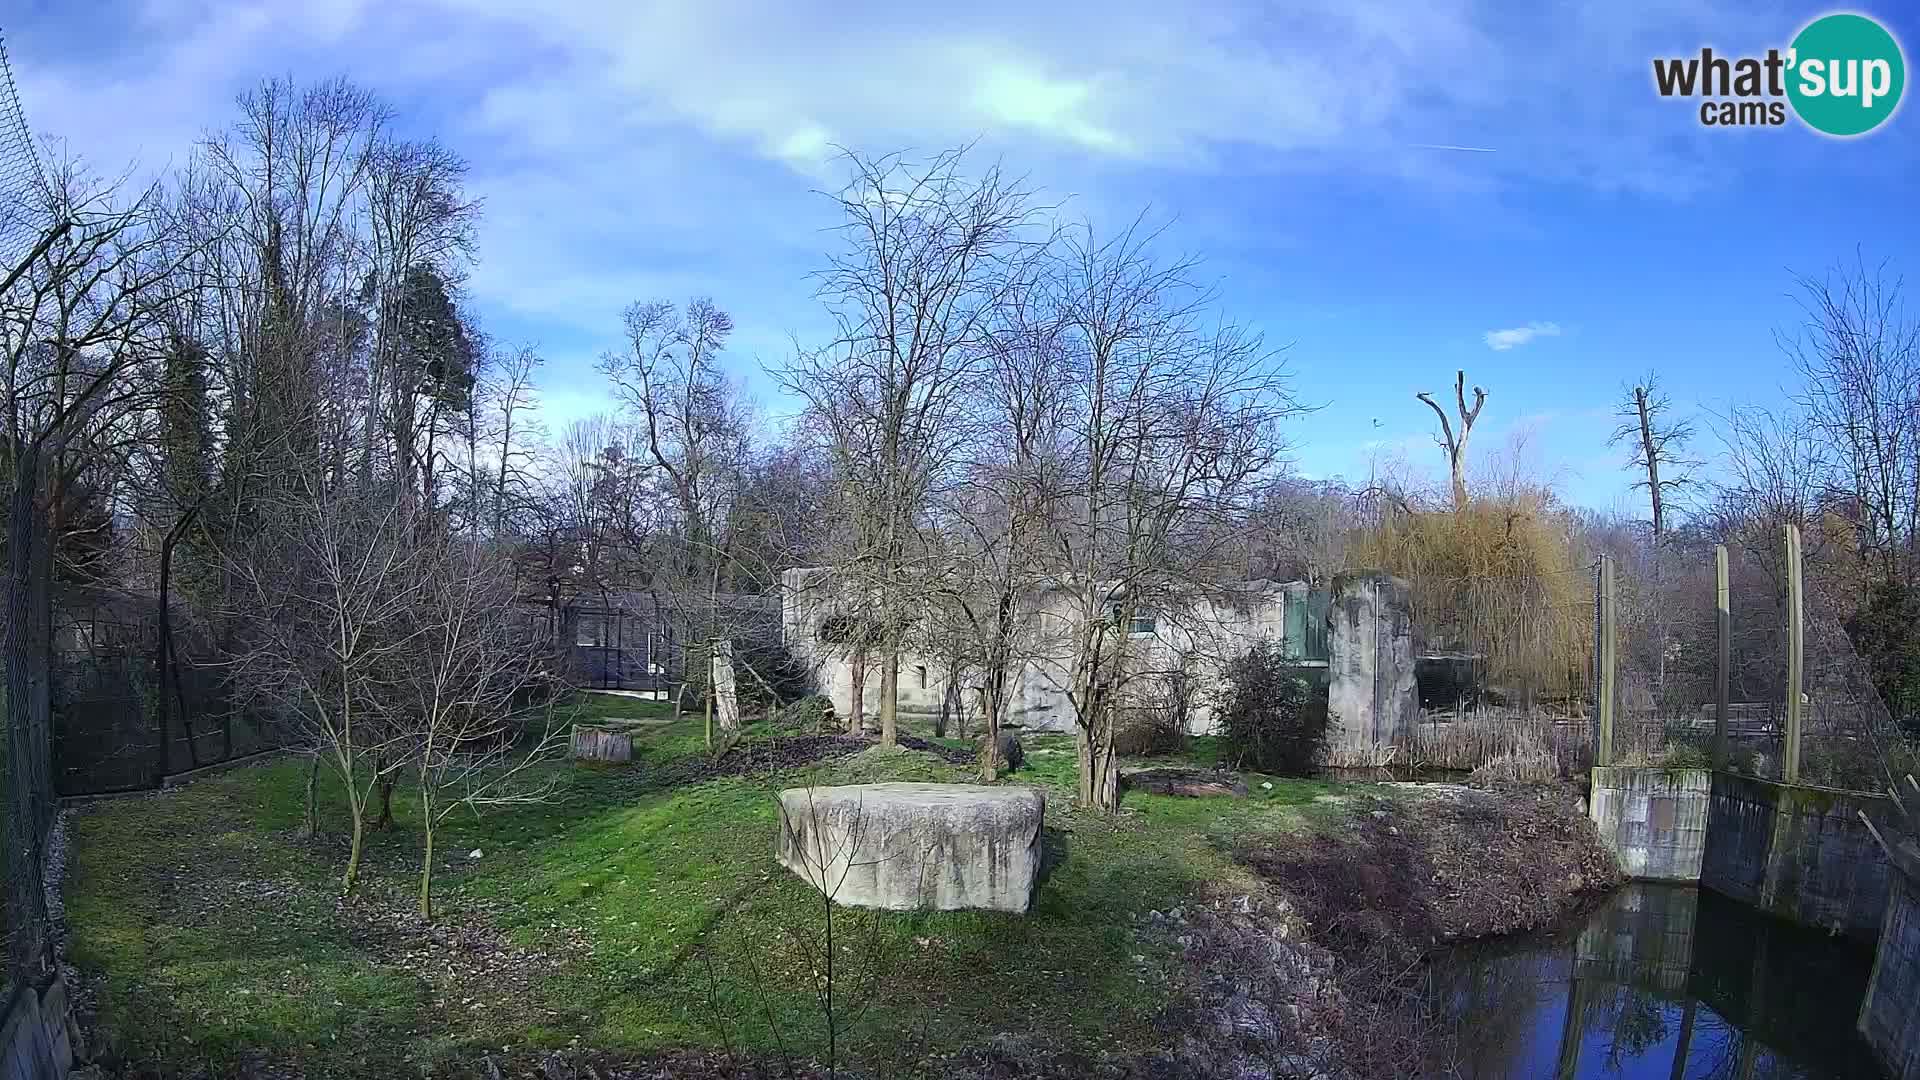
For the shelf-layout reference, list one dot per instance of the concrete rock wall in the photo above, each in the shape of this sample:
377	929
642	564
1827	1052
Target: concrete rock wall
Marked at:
34	1040
1889	1021
1371	700
1655	821
1798	852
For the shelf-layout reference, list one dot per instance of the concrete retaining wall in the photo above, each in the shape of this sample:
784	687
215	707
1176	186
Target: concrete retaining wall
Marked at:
1653	820
1798	852
1888	1020
34	1044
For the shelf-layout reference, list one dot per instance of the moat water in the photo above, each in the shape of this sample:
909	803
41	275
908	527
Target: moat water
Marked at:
1663	983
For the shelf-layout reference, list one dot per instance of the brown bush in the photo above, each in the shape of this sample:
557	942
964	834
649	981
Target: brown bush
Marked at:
1149	732
1467	743
1529	762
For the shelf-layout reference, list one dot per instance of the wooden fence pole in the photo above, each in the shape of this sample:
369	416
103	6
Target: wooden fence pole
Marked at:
1796	654
1723	620
1606	647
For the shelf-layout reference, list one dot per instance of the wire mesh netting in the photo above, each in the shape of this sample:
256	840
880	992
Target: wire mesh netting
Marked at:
1668	660
22	183
117	725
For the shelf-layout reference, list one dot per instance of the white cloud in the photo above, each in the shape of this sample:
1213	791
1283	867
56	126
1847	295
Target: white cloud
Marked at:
1515	336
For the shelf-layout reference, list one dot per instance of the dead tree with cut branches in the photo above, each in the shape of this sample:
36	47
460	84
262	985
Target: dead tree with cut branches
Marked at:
1455	442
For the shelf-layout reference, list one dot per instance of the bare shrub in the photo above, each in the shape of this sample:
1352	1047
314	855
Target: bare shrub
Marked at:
1529	762
1149	733
1467	743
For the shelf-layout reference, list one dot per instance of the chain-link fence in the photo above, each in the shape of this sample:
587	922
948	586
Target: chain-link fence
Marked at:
1668	633
120	724
22	183
1513	673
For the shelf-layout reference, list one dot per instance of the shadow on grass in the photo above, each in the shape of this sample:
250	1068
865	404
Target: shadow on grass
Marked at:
1053	855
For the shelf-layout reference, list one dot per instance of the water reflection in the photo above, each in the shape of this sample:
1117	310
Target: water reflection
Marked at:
1659	982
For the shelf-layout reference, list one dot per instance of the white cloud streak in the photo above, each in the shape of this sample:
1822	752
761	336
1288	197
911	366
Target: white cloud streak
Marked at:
1516	336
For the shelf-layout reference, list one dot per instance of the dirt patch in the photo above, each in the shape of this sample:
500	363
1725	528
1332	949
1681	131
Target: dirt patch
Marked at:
1428	866
1192	783
952	755
1439	866
470	965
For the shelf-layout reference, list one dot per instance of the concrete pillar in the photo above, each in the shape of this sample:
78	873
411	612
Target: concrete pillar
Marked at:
726	697
1371	701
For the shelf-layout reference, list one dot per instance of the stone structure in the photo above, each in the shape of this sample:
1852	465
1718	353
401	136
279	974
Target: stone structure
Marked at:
1888	1020
1197	641
908	847
35	1038
1799	852
1653	820
1371	699
594	742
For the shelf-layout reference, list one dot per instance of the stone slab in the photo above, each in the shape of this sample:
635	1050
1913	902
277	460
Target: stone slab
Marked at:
912	847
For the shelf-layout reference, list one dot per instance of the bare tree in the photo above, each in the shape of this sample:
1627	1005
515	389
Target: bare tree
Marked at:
328	589
929	255
1858	357
694	428
1455	443
1170	429
1659	441
457	695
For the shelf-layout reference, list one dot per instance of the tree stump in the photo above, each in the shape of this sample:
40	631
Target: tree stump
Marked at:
601	744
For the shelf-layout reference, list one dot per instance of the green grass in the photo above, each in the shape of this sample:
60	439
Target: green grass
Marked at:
217	931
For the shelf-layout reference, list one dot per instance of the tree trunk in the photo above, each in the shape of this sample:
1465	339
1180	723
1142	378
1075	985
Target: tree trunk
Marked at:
385	820
426	856
310	817
857	707
1099	767
890	698
352	872
990	747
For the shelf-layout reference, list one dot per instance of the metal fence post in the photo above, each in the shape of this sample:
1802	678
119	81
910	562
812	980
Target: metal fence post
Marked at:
1723	623
1796	655
1605	649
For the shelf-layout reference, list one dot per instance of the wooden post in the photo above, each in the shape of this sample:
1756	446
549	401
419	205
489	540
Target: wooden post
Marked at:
1796	654
1723	621
1605	648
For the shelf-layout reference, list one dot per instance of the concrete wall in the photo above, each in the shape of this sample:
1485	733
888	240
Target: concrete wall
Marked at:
1371	700
34	1043
1798	852
1199	639
1888	1019
1653	820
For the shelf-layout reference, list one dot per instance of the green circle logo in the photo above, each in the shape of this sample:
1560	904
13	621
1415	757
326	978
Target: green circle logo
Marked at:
1845	74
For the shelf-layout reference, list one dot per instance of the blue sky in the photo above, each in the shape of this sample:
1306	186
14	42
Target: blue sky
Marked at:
626	150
